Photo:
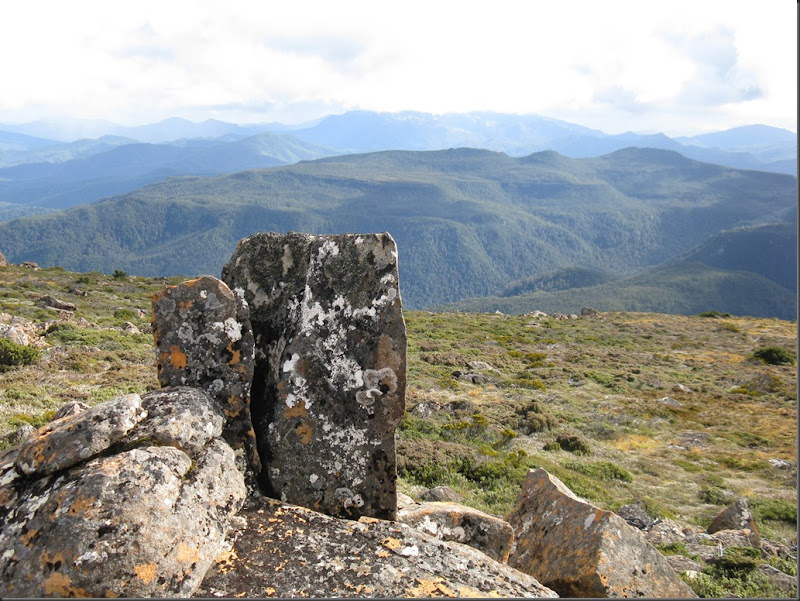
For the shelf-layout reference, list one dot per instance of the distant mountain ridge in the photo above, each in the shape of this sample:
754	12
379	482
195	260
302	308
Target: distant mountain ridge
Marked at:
467	222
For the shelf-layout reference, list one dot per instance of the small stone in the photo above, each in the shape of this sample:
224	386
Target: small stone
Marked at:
441	493
454	522
736	516
636	516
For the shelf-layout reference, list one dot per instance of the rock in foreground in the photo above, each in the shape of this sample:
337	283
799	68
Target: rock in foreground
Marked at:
330	376
281	550
579	550
142	513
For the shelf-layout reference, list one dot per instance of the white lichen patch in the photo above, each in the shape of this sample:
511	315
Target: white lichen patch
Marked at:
328	248
231	327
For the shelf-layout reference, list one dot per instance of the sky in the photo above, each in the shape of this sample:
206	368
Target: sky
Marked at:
681	67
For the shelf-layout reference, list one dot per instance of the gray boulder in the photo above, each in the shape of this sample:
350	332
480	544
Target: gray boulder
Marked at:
330	374
579	550
142	513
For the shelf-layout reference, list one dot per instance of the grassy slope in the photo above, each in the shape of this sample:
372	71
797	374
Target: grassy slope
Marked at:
598	378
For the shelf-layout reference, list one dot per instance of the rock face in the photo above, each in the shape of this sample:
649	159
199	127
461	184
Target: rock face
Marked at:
330	375
451	521
141	512
204	339
579	550
302	553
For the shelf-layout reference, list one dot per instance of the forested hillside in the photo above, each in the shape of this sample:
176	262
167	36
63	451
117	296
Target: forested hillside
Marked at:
467	222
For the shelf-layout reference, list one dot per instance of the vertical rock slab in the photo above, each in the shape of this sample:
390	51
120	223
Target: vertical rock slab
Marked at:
204	340
330	374
579	550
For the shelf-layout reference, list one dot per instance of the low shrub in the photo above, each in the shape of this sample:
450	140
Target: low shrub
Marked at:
13	354
774	355
601	470
574	443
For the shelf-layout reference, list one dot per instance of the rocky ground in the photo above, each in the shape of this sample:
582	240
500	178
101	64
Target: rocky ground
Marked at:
674	413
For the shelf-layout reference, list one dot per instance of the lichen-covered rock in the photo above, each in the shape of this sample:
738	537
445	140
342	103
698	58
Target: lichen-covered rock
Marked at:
735	516
451	521
579	550
181	417
330	376
139	522
69	440
21	331
204	339
280	550
636	516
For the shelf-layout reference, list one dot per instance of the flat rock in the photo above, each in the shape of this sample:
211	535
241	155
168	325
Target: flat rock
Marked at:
204	339
69	440
451	521
55	303
330	375
281	550
579	550
145	521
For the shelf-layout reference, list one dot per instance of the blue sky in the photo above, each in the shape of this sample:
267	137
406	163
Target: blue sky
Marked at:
681	67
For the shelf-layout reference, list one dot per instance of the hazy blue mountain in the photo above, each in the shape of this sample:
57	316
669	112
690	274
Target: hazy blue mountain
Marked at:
367	131
467	222
749	147
129	166
58	152
746	136
63	130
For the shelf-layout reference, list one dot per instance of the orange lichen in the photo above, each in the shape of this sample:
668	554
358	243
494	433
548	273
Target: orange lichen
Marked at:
304	432
177	357
299	409
431	588
60	585
187	553
236	355
145	572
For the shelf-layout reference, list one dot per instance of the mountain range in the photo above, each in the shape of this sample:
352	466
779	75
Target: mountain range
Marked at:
467	222
40	174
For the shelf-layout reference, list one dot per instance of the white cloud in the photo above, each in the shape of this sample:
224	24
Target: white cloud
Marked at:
614	65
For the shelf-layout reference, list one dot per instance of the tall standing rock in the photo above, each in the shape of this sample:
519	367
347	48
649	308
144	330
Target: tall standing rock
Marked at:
204	339
330	375
579	550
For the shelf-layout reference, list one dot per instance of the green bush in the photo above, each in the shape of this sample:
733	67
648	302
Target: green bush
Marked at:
774	355
601	470
119	274
713	314
574	443
737	561
13	354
